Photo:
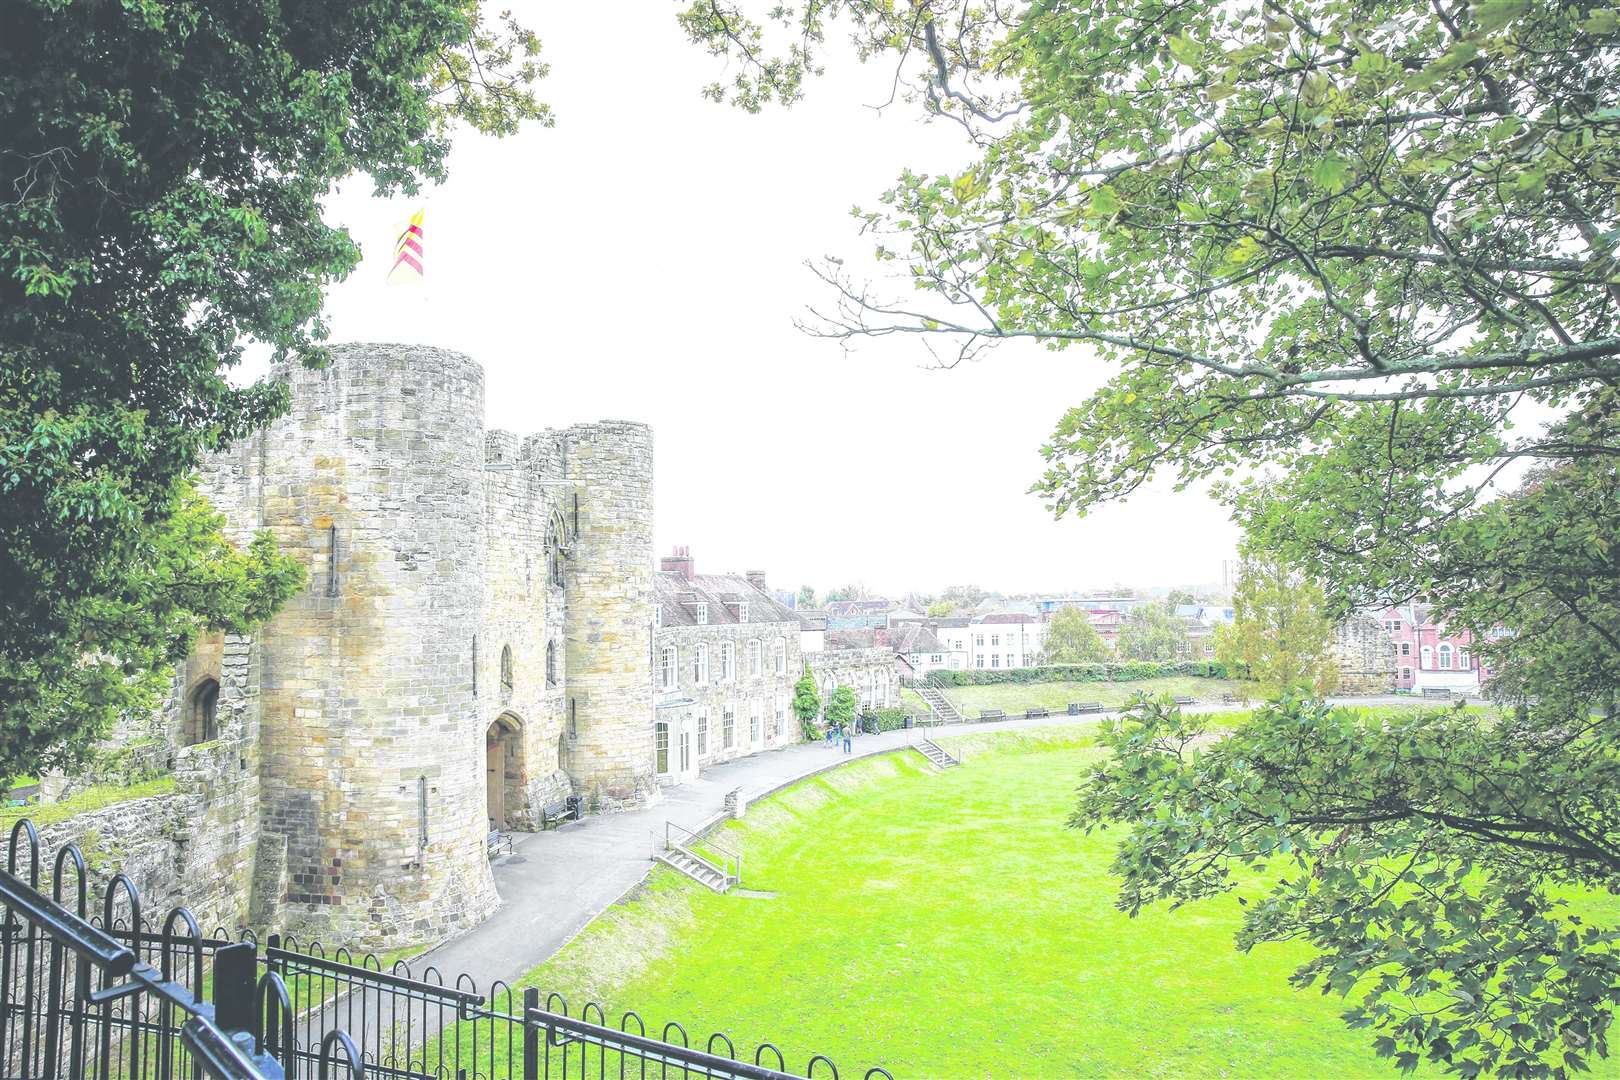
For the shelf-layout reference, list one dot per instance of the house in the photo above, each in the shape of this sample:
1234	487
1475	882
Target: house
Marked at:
1005	639
1430	656
918	648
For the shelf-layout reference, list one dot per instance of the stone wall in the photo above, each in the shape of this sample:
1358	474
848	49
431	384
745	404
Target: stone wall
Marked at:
610	609
710	700
1365	655
873	674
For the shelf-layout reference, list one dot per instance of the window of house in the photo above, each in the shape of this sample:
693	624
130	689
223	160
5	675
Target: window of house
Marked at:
934	658
1397	625
661	746
1406	648
1462	659
700	665
728	663
728	728
754	658
979	661
754	711
995	639
658	616
666	667
1406	673
742	612
702	614
1426	657
551	663
703	732
1445	656
780	724
779	656
978	639
202	713
995	660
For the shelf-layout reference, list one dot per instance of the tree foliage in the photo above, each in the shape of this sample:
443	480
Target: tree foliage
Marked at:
807	703
1152	632
1071	639
1280	632
1336	251
841	706
941	609
162	167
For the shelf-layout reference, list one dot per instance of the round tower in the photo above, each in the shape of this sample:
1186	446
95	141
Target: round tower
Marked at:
373	767
609	576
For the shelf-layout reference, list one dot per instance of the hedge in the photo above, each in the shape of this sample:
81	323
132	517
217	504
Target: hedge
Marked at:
1130	671
875	720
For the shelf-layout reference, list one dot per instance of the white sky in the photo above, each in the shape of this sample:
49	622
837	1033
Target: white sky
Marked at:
643	260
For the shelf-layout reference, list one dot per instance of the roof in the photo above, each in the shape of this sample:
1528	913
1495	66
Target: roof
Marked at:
677	595
859	607
1002	617
909	638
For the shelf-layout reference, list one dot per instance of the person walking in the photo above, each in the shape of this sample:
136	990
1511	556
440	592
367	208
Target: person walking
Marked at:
829	734
848	736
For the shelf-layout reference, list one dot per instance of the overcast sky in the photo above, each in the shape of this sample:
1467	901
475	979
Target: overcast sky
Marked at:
643	260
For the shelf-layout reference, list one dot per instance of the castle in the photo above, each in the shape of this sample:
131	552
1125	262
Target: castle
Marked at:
475	642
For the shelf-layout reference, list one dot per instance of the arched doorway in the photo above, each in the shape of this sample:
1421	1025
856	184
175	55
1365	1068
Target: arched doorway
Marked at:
504	772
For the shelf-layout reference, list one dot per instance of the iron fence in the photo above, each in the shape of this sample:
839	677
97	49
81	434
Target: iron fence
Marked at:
104	992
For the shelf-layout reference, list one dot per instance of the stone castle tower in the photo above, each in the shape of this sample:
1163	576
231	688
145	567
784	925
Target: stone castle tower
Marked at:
473	642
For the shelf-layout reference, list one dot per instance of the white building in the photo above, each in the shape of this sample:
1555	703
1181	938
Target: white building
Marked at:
1005	640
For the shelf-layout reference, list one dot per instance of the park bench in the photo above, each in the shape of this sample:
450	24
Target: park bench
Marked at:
1436	691
1031	714
500	843
554	814
1182	699
992	714
1078	707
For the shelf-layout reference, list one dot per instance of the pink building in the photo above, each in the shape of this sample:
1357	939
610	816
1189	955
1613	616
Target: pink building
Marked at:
1427	655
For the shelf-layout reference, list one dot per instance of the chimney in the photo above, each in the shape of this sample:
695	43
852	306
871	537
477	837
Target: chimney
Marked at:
679	561
756	578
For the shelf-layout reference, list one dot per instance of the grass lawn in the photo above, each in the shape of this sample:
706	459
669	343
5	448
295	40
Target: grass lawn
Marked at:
1016	697
949	925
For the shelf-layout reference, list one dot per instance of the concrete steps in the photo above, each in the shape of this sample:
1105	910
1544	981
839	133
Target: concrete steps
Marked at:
936	754
939	705
697	868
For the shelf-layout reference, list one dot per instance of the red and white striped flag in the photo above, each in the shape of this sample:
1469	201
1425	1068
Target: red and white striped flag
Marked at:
407	269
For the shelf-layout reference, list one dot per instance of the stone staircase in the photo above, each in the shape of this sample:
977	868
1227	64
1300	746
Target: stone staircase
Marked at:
936	754
939	704
697	868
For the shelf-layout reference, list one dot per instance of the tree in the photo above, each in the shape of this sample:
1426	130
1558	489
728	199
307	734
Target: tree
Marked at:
1180	597
1152	632
844	592
941	609
841	707
807	704
1071	639
1279	631
807	596
1331	245
163	167
964	596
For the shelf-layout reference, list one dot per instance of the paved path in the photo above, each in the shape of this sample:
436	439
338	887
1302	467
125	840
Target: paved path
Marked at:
558	881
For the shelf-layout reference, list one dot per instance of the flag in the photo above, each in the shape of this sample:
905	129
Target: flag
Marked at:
408	253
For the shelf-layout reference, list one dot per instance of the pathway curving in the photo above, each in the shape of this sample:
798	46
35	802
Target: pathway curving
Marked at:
556	882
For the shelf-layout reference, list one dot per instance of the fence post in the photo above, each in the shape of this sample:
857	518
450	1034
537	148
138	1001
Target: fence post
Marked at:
531	1035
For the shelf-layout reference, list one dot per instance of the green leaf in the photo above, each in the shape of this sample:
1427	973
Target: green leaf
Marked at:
1331	174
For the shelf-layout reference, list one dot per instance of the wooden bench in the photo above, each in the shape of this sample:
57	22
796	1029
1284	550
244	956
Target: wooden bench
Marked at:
1182	699
1035	713
992	714
554	814
1078	707
500	843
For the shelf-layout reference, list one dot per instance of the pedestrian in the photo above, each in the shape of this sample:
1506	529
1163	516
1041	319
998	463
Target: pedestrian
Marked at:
848	735
829	734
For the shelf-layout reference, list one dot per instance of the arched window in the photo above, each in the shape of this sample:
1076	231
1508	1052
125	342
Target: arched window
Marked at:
755	658
779	656
700	665
506	669
202	713
1445	656
728	661
667	660
551	663
554	555
1427	657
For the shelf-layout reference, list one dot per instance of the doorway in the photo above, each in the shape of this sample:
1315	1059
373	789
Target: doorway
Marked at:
503	771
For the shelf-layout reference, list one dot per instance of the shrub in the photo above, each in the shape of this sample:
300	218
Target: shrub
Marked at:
1127	671
876	720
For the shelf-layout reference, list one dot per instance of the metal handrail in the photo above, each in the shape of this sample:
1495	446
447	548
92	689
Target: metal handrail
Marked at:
727	854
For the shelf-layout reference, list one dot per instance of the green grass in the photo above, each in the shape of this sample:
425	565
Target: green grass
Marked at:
950	925
94	798
1016	697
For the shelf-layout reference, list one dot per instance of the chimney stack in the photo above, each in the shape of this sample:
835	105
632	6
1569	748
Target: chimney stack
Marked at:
756	578
680	562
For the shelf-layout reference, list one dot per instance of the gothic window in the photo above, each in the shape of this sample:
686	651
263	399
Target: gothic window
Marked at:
202	713
551	663
506	669
554	555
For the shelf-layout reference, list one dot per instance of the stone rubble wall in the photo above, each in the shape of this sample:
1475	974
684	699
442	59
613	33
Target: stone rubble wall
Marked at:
856	668
1365	655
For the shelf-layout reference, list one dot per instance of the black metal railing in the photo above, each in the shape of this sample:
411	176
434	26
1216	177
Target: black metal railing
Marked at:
105	993
108	995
